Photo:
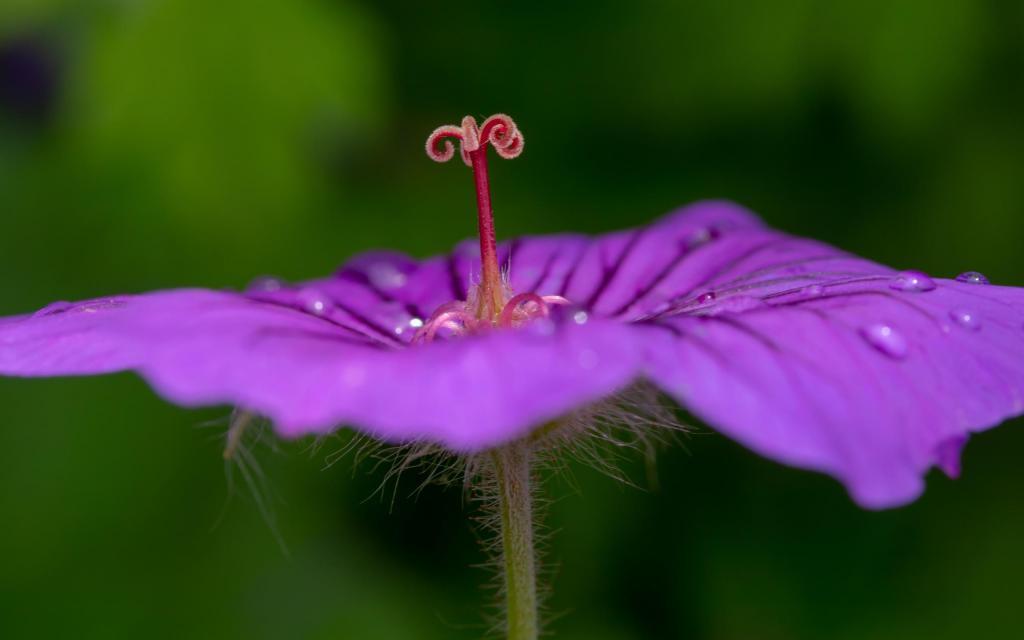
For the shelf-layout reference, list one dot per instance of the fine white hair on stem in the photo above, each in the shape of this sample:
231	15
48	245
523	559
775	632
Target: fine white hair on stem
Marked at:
639	420
604	435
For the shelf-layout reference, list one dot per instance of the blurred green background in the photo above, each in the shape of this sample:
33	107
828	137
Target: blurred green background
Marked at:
155	143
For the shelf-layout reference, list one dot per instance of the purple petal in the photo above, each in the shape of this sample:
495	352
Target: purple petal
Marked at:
808	355
626	273
313	372
842	373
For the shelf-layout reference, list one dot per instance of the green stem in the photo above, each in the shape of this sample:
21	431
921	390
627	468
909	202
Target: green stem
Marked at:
512	468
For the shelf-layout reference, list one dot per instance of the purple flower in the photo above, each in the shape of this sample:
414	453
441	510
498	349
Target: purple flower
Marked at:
802	352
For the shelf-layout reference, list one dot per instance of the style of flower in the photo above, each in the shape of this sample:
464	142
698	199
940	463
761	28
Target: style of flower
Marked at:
804	353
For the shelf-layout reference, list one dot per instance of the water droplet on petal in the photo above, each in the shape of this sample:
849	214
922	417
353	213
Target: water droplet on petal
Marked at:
912	281
706	297
53	309
812	290
92	306
737	304
886	339
972	277
385	275
265	283
407	324
394	315
314	301
580	317
701	237
966	318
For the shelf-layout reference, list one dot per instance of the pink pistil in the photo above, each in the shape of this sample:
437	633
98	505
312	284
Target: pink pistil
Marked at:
502	134
487	306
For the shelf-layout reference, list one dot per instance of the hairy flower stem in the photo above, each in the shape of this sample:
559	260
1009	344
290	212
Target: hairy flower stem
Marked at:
515	500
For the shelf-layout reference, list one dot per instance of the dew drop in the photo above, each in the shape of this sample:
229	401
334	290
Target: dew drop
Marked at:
972	277
966	318
812	290
706	297
580	317
912	281
53	309
265	284
886	339
385	275
701	237
313	301
737	304
407	322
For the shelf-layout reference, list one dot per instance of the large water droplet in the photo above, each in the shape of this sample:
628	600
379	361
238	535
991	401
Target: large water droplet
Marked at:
972	277
314	301
53	309
885	339
912	281
385	275
706	297
265	284
966	318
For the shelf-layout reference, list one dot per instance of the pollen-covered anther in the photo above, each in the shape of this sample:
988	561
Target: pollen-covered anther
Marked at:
499	130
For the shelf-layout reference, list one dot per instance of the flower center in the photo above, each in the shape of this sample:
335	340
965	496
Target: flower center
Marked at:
491	303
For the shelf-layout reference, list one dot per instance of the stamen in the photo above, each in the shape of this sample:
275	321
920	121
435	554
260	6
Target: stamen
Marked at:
550	300
458	321
523	300
452	316
501	132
